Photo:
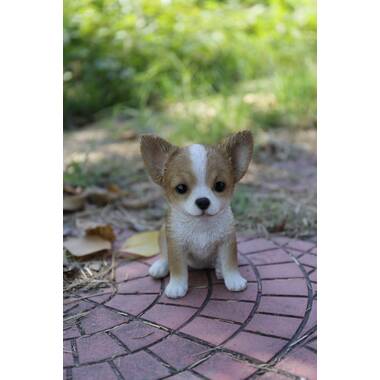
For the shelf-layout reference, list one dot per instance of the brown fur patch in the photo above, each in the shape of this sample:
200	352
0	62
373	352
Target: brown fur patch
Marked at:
219	168
178	170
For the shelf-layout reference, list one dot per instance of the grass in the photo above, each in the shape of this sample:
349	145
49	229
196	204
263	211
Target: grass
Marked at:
148	58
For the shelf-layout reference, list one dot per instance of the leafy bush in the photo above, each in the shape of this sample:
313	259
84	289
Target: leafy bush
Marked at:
153	53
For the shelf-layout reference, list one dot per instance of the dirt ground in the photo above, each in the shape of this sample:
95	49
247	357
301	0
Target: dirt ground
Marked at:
277	195
104	170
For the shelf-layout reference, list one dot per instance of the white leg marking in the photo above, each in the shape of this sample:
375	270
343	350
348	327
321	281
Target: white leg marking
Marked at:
177	287
159	268
234	281
218	268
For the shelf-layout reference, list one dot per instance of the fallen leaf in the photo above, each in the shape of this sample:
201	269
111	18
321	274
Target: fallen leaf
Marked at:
73	203
142	202
280	227
71	189
128	135
86	245
142	244
100	196
114	188
105	231
91	228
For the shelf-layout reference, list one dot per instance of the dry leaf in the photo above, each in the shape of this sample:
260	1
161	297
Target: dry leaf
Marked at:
280	227
114	188
129	135
142	202
105	231
86	245
142	244
73	203
71	189
100	196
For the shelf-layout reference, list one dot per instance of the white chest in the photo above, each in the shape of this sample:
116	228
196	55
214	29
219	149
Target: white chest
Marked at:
200	235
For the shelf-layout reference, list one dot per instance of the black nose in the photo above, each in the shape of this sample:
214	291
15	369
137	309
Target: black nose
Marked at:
202	203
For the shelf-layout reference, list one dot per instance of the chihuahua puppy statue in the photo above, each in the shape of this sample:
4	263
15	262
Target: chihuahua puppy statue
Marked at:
198	182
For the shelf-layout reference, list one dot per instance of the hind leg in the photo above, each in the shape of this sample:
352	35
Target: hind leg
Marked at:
218	268
160	268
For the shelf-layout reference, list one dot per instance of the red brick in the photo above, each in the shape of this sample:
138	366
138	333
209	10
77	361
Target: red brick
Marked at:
81	307
137	334
313	276
270	257
255	245
308	260
140	285
223	367
99	294
130	270
301	245
273	376
198	278
100	371
283	305
281	240
280	271
248	273
312	321
168	315
221	292
101	299
301	362
283	327
194	297
229	310
71	332
285	287
97	347
141	366
132	304
186	375
100	319
242	260
178	352
215	280
68	358
256	346
313	344
210	330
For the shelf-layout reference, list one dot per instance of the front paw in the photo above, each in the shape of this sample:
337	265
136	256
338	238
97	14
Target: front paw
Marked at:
159	269
235	282
176	288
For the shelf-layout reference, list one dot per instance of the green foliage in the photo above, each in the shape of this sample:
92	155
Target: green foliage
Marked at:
156	53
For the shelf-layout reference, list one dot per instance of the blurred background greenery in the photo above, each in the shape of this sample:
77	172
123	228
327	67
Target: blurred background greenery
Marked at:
189	68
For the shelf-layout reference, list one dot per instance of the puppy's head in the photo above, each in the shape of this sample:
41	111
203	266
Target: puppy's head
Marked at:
198	180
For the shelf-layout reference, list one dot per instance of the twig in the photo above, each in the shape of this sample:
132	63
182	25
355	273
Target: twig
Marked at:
143	336
199	361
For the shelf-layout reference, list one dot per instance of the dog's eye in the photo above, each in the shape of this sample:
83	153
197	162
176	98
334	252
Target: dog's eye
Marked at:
219	186
181	188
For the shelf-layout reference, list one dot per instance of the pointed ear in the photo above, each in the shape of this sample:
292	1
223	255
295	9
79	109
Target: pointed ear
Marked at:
155	152
239	148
